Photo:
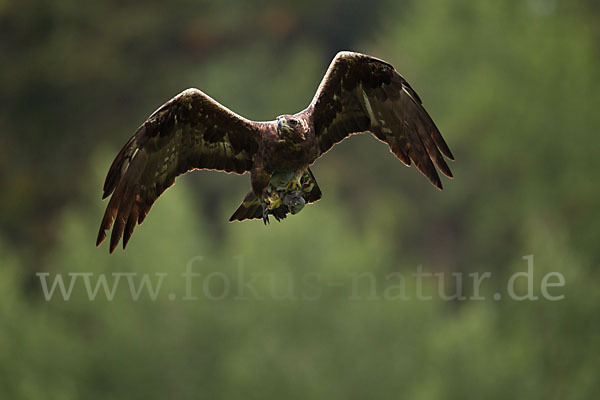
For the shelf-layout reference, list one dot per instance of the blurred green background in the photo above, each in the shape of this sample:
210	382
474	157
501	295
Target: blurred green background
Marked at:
514	86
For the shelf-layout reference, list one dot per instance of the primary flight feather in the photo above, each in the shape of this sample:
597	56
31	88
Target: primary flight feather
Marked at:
359	93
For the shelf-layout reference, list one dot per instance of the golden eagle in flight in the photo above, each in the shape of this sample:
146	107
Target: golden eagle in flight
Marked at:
358	94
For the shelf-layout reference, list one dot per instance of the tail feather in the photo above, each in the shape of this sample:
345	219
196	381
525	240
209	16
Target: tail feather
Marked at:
249	209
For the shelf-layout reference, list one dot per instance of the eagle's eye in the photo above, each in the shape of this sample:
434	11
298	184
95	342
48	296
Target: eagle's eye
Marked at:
293	122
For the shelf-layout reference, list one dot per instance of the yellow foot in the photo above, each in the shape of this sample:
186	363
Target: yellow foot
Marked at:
295	182
273	201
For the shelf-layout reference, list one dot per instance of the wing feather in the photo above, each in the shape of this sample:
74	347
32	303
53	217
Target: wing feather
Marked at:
191	131
359	94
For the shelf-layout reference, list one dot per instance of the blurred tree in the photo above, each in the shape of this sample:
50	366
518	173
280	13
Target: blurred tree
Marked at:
512	85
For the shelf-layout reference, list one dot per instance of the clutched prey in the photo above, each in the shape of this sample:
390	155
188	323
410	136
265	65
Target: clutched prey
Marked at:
287	193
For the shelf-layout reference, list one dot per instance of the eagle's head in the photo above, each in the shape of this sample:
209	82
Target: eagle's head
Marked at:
292	128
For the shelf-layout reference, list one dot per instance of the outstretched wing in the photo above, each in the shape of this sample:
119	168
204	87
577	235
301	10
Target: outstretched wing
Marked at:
191	131
360	93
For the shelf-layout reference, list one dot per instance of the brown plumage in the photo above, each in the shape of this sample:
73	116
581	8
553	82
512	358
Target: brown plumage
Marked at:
358	94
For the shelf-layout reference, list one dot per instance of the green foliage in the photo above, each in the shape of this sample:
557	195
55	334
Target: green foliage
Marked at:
512	85
328	346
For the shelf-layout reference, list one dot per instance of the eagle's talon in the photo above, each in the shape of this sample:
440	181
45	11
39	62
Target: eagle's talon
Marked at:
294	184
265	207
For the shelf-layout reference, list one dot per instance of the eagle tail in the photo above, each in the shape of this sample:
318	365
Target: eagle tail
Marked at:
249	209
252	209
312	192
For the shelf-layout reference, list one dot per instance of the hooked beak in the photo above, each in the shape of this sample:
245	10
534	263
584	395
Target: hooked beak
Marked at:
285	128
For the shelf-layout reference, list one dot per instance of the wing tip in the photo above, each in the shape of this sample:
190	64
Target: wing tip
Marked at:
114	241
126	238
437	182
101	237
444	168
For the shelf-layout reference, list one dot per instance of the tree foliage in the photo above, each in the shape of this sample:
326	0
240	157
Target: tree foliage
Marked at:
513	87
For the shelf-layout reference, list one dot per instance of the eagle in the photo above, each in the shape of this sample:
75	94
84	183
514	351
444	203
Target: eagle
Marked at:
358	94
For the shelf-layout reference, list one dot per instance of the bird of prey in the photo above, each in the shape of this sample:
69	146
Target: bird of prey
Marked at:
358	94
